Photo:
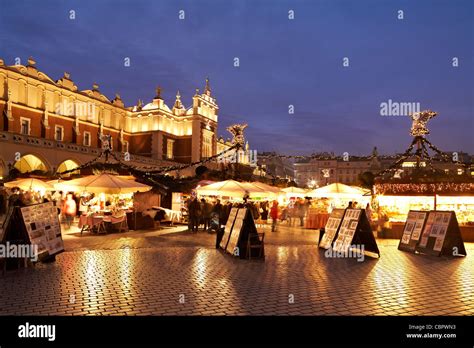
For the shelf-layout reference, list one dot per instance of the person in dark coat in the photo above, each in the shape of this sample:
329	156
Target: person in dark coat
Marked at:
264	211
194	214
206	210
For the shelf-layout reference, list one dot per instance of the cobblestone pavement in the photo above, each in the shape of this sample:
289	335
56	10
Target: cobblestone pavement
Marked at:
180	273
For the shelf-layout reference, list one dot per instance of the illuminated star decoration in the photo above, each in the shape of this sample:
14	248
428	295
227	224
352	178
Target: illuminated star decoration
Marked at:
237	131
420	119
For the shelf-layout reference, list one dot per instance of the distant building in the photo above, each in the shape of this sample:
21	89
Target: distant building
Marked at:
324	171
273	166
327	169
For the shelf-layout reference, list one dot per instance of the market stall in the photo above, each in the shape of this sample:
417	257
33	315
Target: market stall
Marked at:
30	184
236	191
395	200
333	196
294	192
105	200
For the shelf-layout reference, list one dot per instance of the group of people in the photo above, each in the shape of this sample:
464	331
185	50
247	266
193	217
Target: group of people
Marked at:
65	202
212	215
203	212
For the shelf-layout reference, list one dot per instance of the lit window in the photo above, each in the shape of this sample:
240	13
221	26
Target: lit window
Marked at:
169	148
25	126
206	144
58	133
87	139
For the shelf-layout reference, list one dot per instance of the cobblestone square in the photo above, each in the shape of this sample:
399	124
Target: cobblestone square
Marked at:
180	273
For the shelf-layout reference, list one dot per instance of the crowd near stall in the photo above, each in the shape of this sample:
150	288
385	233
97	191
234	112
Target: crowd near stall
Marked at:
98	203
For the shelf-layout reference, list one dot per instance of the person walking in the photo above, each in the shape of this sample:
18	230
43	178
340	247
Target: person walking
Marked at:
274	215
70	210
368	212
299	211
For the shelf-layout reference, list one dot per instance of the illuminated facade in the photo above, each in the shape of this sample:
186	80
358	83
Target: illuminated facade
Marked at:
48	124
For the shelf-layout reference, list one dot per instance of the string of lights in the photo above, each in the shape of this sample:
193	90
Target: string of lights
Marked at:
106	152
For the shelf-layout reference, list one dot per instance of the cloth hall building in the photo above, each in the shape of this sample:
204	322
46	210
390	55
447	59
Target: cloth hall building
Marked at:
52	126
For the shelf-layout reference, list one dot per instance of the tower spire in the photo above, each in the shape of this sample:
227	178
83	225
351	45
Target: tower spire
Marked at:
207	89
177	103
158	92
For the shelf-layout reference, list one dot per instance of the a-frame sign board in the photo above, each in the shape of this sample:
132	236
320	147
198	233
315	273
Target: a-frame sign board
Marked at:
414	225
234	247
38	225
43	228
242	226
355	231
331	228
228	227
441	235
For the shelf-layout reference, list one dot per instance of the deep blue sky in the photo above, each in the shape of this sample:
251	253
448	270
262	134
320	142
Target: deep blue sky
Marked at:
282	62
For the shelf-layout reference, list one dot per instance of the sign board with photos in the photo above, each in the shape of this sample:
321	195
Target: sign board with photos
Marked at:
441	235
43	227
355	230
412	230
235	234
228	227
331	228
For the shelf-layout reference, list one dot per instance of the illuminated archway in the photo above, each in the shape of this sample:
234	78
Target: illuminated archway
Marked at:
30	163
68	165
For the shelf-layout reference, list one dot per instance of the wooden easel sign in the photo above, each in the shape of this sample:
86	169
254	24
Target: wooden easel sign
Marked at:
228	228
355	233
331	228
233	245
412	230
441	235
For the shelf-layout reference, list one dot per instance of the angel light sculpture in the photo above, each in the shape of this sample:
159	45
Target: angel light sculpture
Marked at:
237	131
420	119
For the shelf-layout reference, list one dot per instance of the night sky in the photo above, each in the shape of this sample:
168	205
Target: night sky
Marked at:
282	62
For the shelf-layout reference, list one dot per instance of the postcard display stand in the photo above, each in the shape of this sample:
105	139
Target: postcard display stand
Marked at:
412	230
43	228
331	228
355	230
441	235
228	228
239	226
